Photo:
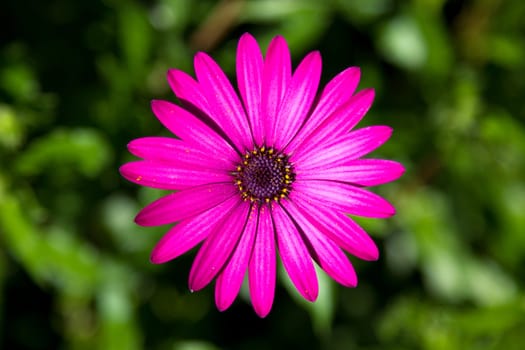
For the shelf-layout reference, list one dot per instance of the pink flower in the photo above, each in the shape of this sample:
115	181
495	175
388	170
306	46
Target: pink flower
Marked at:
276	169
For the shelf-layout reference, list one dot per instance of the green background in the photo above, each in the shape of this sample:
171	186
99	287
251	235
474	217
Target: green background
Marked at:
76	78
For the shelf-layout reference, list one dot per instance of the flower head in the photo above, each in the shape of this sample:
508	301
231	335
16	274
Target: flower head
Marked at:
273	169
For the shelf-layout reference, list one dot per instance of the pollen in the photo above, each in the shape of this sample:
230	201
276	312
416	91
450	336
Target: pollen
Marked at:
264	175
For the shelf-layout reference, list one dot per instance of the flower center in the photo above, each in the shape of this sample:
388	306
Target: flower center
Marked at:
264	175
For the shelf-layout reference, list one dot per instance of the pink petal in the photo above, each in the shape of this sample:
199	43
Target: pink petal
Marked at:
336	93
249	79
191	129
354	111
337	124
167	177
172	151
342	149
190	232
229	281
277	73
184	204
327	254
295	256
225	108
346	198
262	266
364	172
188	91
218	247
339	228
298	100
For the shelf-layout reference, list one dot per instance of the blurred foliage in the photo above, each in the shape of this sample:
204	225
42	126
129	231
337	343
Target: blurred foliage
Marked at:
76	78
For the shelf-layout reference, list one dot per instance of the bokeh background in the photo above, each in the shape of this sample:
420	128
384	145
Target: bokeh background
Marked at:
76	79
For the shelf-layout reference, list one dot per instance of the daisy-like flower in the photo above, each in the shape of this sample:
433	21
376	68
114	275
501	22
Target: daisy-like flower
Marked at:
274	168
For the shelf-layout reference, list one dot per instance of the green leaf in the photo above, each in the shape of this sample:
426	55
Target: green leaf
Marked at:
66	153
